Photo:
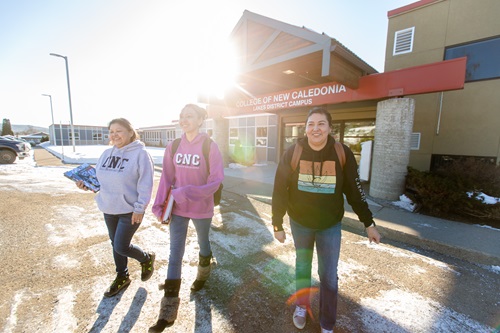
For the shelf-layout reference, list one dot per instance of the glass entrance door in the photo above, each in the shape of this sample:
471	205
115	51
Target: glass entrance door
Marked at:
292	132
354	132
350	132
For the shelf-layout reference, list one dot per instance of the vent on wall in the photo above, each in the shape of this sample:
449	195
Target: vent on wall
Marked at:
403	41
415	141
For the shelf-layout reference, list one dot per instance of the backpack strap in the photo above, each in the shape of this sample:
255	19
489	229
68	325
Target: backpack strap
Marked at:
206	151
175	145
297	151
340	153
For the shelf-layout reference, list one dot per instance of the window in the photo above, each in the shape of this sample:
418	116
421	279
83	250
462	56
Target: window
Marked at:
403	41
170	135
262	132
96	136
260	142
233	136
293	132
261	136
357	131
482	59
77	135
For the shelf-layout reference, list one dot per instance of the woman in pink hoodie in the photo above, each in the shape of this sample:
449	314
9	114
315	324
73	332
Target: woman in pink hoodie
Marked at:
195	180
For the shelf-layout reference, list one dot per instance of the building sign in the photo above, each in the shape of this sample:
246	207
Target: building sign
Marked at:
435	77
308	96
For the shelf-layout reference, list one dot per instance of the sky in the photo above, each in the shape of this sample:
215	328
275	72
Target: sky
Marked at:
144	60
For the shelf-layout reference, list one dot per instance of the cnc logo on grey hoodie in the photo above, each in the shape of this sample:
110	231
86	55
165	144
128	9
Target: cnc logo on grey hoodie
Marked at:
115	162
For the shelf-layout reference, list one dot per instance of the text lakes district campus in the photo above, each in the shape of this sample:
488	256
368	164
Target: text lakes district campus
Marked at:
290	99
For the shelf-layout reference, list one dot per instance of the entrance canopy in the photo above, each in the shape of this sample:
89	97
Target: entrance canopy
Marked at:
274	56
284	66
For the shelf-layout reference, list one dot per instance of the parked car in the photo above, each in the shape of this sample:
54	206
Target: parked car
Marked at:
10	148
11	137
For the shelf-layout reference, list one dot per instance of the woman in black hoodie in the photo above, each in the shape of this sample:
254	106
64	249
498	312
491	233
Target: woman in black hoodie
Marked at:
311	190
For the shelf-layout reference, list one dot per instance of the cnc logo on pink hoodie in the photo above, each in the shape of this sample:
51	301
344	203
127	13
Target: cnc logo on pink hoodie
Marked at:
192	160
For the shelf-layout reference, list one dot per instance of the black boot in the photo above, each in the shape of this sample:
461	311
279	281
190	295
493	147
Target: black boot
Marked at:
169	306
204	268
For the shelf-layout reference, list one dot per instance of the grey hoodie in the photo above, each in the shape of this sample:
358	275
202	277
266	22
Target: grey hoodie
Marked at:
126	178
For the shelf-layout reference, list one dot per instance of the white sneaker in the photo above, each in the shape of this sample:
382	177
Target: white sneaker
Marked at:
326	331
299	317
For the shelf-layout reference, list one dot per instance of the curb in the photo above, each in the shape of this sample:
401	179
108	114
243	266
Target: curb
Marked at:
474	257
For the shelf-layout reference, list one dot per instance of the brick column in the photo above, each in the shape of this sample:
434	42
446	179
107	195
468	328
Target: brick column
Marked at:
391	150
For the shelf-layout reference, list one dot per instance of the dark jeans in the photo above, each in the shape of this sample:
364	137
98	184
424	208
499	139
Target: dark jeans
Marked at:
121	230
328	251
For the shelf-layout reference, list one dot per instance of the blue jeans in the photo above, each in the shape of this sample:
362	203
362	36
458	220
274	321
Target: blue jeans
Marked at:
121	230
328	251
178	233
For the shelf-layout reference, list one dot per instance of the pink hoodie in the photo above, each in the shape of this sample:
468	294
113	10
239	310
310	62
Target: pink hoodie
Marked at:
193	185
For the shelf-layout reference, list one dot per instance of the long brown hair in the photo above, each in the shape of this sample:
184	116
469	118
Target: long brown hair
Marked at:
201	112
125	123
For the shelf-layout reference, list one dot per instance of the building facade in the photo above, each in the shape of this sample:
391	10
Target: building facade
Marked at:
432	96
436	99
161	136
287	69
460	123
84	135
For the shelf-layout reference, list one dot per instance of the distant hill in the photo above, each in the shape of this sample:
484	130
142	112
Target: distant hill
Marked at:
27	129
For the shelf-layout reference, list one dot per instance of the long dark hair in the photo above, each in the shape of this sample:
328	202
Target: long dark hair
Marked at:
321	110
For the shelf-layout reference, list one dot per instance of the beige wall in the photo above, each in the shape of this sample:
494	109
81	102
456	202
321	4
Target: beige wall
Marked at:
443	23
429	39
472	20
469	121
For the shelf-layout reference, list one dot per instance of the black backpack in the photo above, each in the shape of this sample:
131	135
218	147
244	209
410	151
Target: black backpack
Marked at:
206	152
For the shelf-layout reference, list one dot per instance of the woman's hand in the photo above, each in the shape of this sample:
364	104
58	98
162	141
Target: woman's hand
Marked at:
373	235
137	218
81	186
280	236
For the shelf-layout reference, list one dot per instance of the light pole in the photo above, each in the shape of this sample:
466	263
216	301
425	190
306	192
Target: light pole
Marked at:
69	98
52	114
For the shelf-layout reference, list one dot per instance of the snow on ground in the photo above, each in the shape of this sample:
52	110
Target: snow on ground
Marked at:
405	203
414	255
391	311
484	198
90	154
410	312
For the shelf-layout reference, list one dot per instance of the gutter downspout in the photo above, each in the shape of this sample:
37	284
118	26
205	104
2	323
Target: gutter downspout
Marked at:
439	114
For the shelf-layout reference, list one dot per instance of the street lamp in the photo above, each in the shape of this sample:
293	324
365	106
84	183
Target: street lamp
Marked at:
53	126
69	98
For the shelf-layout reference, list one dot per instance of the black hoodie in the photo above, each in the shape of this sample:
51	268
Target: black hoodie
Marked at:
313	196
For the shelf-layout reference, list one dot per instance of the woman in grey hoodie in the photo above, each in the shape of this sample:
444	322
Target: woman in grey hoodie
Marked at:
125	173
